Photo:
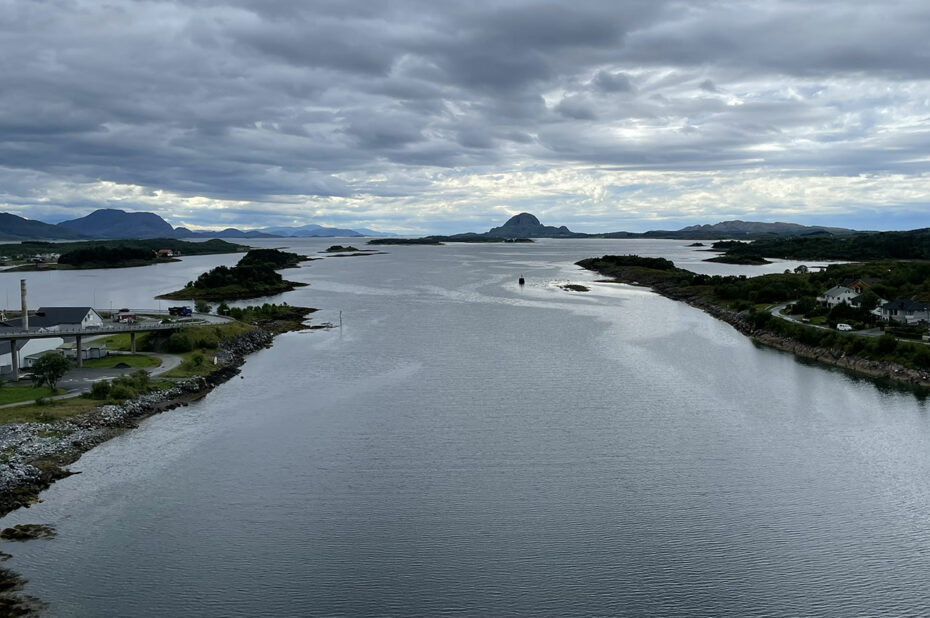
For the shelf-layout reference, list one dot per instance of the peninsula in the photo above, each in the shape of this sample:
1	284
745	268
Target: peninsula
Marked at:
806	326
44	255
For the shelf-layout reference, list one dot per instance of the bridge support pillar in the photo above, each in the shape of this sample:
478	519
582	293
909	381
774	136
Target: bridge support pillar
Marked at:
77	348
14	360
132	342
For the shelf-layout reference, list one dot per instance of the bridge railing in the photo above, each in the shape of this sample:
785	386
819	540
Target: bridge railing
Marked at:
114	327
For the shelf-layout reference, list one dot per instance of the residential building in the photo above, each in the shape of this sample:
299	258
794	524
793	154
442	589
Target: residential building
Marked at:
838	294
904	311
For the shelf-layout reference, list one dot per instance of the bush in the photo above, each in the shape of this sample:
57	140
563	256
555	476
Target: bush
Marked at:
886	344
179	342
100	390
140	380
121	391
202	306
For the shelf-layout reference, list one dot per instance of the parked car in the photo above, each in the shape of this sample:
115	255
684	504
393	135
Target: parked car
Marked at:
842	326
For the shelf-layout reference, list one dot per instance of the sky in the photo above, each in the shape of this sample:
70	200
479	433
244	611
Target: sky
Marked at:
415	116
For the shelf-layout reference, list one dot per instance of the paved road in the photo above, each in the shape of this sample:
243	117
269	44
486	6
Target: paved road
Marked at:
868	332
78	381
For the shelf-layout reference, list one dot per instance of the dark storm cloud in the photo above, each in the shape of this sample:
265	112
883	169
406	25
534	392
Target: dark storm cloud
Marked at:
612	82
278	100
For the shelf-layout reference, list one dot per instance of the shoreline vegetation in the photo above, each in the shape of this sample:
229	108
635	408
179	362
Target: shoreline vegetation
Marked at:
350	251
83	255
252	277
35	454
860	247
745	304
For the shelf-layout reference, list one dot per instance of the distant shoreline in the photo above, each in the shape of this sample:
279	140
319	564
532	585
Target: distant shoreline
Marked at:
882	370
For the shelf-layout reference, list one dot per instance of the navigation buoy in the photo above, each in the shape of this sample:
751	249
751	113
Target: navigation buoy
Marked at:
522	281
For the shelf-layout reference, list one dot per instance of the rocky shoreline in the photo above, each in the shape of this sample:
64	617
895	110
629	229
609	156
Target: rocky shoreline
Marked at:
35	455
882	370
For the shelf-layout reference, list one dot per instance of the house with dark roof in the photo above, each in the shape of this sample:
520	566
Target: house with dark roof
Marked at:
56	318
905	311
857	285
45	319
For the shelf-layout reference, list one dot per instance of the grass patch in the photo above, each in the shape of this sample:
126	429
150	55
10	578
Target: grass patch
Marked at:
192	367
14	393
121	342
197	347
133	360
50	412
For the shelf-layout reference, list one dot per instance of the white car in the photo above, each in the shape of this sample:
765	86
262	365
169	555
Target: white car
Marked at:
842	326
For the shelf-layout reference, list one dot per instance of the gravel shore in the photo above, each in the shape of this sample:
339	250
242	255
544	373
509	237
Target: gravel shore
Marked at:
34	455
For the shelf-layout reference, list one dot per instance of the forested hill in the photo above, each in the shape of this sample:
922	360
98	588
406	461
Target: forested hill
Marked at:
910	245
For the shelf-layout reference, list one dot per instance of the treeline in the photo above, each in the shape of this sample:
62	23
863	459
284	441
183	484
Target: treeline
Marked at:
884	348
253	276
619	261
275	258
106	257
910	245
886	279
257	313
28	248
753	295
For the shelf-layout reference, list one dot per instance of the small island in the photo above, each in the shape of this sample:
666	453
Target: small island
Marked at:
741	260
340	251
254	276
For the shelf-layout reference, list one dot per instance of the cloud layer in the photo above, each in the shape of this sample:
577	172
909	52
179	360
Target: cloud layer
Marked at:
431	116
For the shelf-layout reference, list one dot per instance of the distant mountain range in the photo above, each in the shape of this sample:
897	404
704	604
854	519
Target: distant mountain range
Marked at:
113	223
526	225
17	228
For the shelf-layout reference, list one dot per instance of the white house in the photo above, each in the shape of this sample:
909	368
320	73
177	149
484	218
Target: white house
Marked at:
838	294
55	318
49	319
906	311
25	348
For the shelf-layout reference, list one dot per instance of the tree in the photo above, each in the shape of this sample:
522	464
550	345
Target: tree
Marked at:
49	369
869	300
202	306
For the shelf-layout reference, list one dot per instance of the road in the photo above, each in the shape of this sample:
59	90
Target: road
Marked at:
79	380
776	311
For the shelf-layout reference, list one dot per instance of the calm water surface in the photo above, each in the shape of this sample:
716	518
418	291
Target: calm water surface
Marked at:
464	446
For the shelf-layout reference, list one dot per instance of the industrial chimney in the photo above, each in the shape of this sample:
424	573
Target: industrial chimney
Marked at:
22	294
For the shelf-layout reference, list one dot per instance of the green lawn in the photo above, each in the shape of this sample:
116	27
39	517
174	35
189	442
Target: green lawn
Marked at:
121	341
133	360
205	340
189	367
13	393
48	413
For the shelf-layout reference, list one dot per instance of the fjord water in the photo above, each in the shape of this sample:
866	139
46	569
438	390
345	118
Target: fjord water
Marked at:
465	446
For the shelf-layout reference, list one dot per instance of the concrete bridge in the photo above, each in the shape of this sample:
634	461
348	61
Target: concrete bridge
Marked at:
149	321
